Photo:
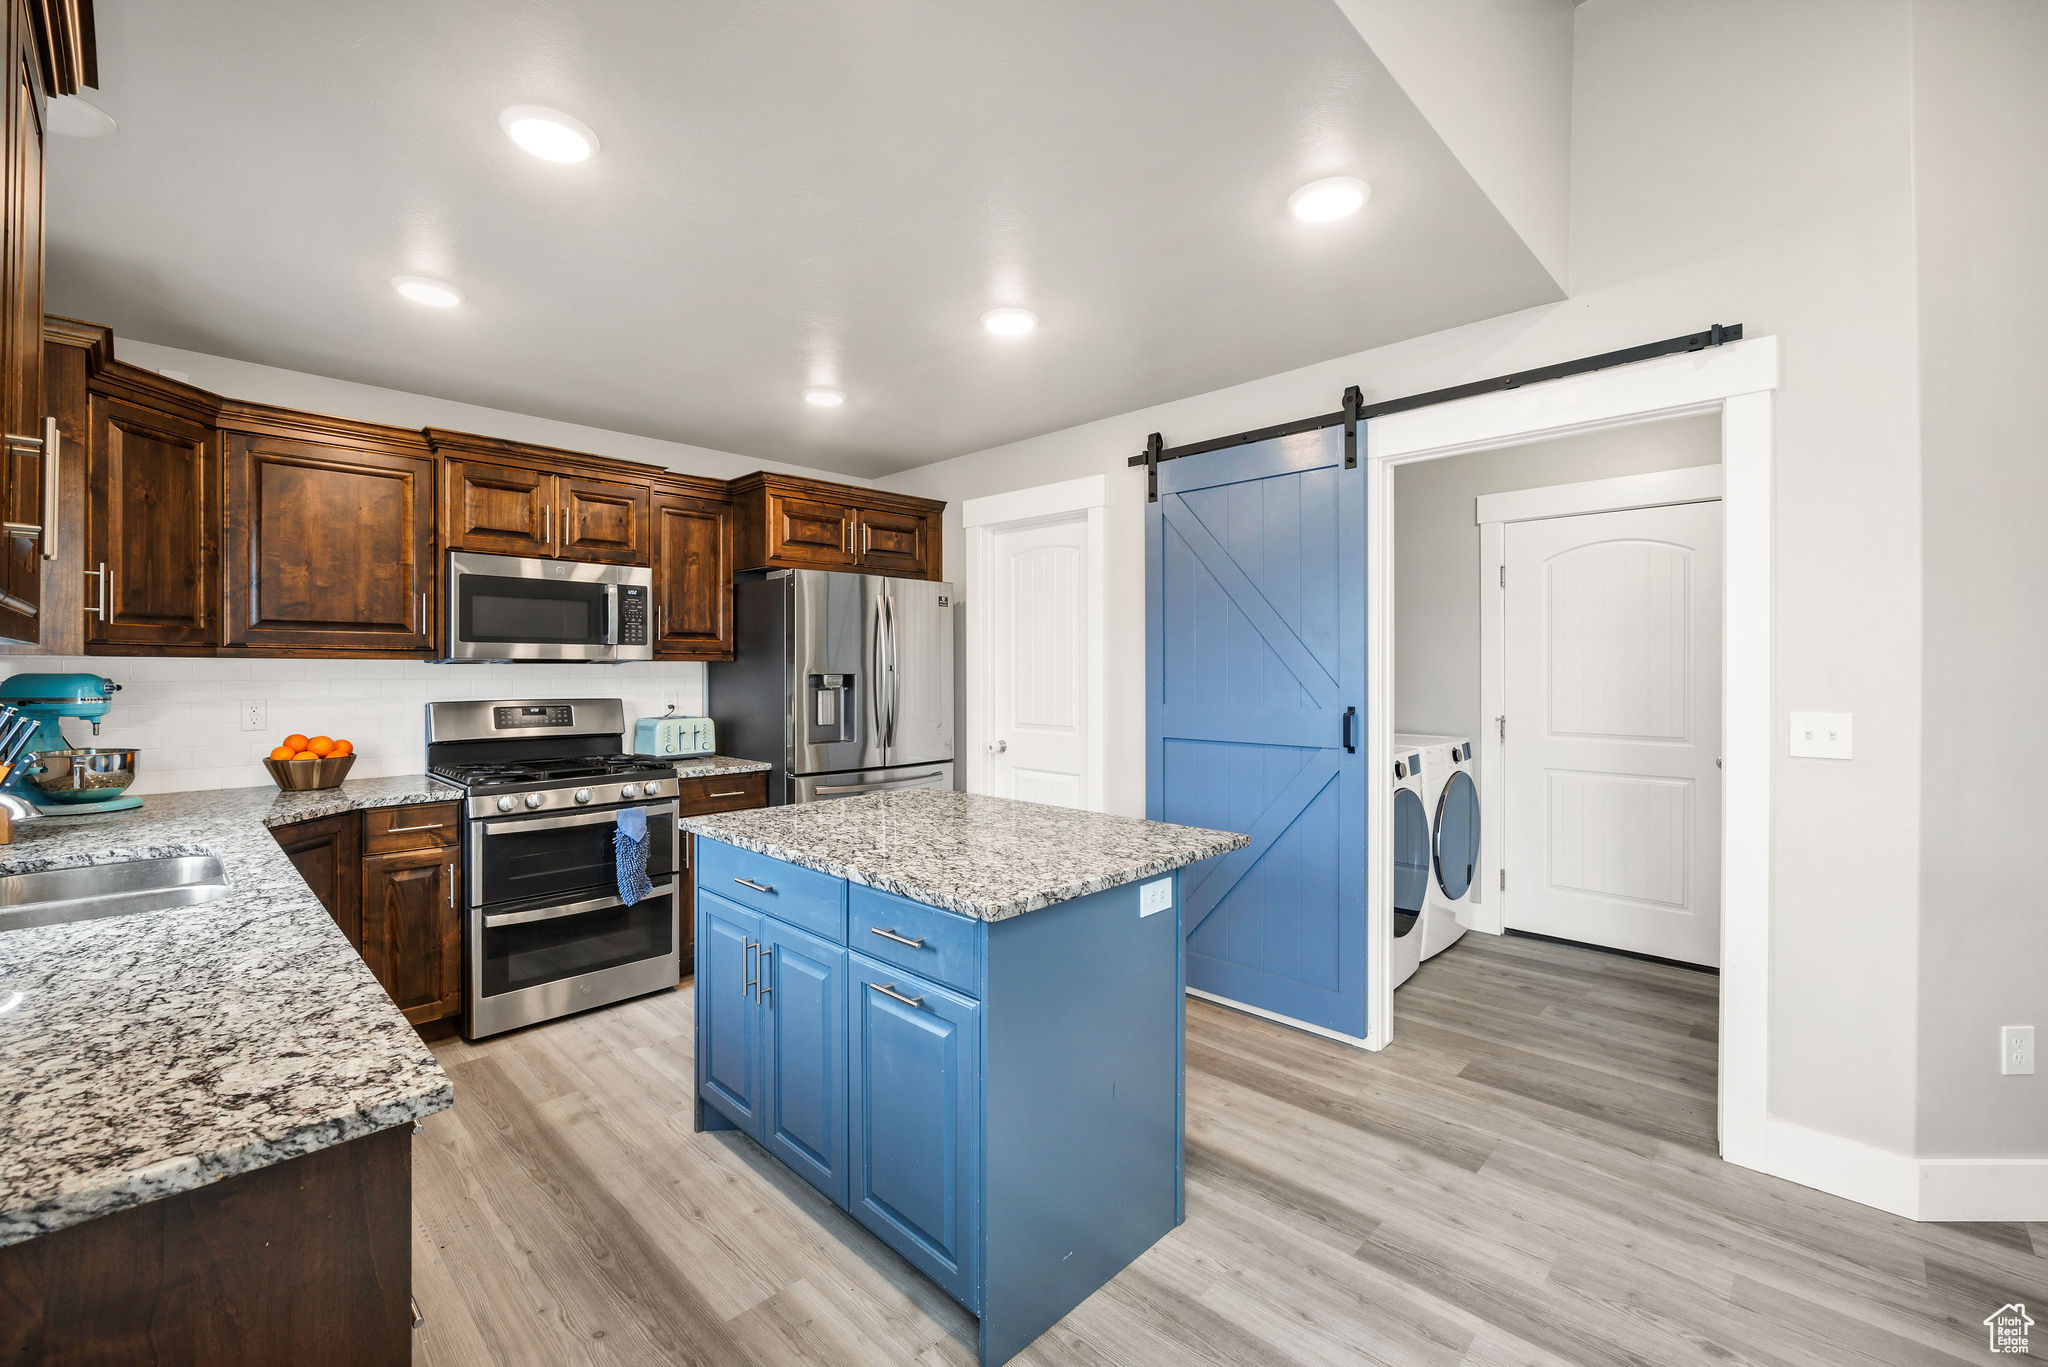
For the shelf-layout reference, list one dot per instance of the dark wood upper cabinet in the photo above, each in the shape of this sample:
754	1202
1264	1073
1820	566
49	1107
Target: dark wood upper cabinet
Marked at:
21	340
153	542
785	522
692	577
601	519
412	930
498	509
329	536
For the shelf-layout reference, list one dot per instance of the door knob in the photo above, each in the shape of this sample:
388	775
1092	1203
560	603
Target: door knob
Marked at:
997	747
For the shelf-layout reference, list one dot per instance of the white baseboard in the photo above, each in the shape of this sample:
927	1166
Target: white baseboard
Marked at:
1947	1189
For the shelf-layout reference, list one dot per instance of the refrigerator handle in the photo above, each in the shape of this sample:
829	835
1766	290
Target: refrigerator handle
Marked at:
895	675
877	682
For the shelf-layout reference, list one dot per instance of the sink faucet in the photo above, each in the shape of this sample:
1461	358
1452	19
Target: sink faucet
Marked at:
12	809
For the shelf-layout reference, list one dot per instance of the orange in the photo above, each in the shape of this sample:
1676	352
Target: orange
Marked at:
294	741
341	747
320	745
305	754
282	752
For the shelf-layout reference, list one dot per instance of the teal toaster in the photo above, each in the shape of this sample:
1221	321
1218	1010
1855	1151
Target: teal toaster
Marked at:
674	737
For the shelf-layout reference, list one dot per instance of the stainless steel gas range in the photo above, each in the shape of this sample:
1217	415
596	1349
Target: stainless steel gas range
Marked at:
545	932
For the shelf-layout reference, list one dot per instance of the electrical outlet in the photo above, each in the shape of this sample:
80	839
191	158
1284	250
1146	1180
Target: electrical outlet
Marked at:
255	715
2016	1049
1155	896
1823	735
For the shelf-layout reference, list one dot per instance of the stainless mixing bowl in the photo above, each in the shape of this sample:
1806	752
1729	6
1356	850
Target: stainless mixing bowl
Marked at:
80	775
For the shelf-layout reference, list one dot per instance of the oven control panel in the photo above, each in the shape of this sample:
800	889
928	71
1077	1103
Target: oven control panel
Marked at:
533	714
632	615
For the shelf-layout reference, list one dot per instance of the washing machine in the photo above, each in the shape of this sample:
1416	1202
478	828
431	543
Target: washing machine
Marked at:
1436	845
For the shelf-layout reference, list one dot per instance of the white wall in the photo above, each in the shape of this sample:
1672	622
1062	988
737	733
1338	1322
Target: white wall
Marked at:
184	714
1436	551
1981	160
1780	198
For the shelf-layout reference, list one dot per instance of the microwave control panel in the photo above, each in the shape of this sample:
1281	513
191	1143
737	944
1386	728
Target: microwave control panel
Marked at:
632	615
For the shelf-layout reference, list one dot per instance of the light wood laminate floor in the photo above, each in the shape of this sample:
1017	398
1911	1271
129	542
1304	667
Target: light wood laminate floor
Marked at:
1526	1179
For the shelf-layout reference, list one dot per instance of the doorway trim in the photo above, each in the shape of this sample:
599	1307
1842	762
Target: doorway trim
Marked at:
1736	381
1493	512
981	519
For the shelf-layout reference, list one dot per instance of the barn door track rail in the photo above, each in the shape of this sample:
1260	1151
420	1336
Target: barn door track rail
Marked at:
1356	410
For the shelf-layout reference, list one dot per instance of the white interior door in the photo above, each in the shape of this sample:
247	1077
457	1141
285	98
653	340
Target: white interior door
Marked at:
1037	599
1613	736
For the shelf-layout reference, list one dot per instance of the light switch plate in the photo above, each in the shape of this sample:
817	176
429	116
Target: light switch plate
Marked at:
1155	896
1823	735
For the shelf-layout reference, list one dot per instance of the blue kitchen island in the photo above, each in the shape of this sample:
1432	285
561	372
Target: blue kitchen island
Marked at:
961	1018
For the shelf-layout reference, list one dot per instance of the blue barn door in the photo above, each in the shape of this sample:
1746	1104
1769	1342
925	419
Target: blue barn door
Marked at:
1255	716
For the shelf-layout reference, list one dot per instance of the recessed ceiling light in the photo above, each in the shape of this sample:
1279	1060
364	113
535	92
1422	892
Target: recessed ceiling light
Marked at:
548	133
820	397
432	293
1321	201
1009	322
74	116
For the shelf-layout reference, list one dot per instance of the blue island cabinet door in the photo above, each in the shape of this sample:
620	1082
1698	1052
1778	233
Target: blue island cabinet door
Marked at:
915	1145
803	1023
1255	682
728	1038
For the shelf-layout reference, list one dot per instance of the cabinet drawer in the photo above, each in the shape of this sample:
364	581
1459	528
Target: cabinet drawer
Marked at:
423	826
802	897
721	793
944	951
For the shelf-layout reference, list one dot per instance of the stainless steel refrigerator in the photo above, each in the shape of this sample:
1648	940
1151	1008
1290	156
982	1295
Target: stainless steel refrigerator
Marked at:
843	682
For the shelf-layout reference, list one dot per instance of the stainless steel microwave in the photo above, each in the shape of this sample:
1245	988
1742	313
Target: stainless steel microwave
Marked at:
515	607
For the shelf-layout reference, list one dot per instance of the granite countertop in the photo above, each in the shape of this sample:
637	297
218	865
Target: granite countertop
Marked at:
986	857
148	1054
710	766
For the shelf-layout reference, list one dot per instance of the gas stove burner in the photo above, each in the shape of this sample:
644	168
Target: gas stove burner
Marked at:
565	769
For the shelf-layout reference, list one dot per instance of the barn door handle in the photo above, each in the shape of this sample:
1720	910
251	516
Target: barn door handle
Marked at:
1350	741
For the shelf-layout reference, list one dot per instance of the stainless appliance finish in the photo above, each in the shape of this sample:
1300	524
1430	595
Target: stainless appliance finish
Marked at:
825	787
842	678
544	929
512	607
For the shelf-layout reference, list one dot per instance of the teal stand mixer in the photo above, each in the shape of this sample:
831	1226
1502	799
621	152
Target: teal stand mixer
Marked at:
51	774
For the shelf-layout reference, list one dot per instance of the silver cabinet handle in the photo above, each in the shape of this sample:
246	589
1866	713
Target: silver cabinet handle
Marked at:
53	448
764	988
407	830
418	1319
451	887
547	523
890	991
45	531
747	946
750	883
737	792
660	617
101	597
421	624
918	943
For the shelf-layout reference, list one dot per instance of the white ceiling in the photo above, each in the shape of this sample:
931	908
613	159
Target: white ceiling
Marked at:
788	194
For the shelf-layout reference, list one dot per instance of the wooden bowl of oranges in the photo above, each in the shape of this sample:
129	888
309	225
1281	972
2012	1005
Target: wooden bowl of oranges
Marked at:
302	764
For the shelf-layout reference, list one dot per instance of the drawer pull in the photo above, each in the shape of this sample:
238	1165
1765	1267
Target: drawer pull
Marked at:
737	792
917	943
408	830
890	991
750	883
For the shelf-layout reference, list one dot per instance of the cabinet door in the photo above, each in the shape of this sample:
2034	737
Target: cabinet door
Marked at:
602	520
412	931
913	1135
499	509
21	342
893	543
692	578
728	1020
155	528
807	533
328	546
803	1044
327	853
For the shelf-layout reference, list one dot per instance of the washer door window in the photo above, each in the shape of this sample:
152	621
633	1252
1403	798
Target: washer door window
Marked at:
1411	850
1457	835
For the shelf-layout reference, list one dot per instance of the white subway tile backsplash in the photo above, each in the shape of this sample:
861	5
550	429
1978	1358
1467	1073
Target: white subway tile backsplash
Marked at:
185	714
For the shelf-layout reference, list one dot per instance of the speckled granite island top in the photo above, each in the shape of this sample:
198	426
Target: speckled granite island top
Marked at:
986	857
148	1054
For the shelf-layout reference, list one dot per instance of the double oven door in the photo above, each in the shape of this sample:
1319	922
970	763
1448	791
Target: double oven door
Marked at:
546	932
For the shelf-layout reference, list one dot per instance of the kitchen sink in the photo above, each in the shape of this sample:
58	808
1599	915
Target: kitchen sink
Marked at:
59	896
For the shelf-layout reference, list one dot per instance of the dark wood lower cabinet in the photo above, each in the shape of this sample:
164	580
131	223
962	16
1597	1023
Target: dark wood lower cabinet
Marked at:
328	854
307	1262
412	930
